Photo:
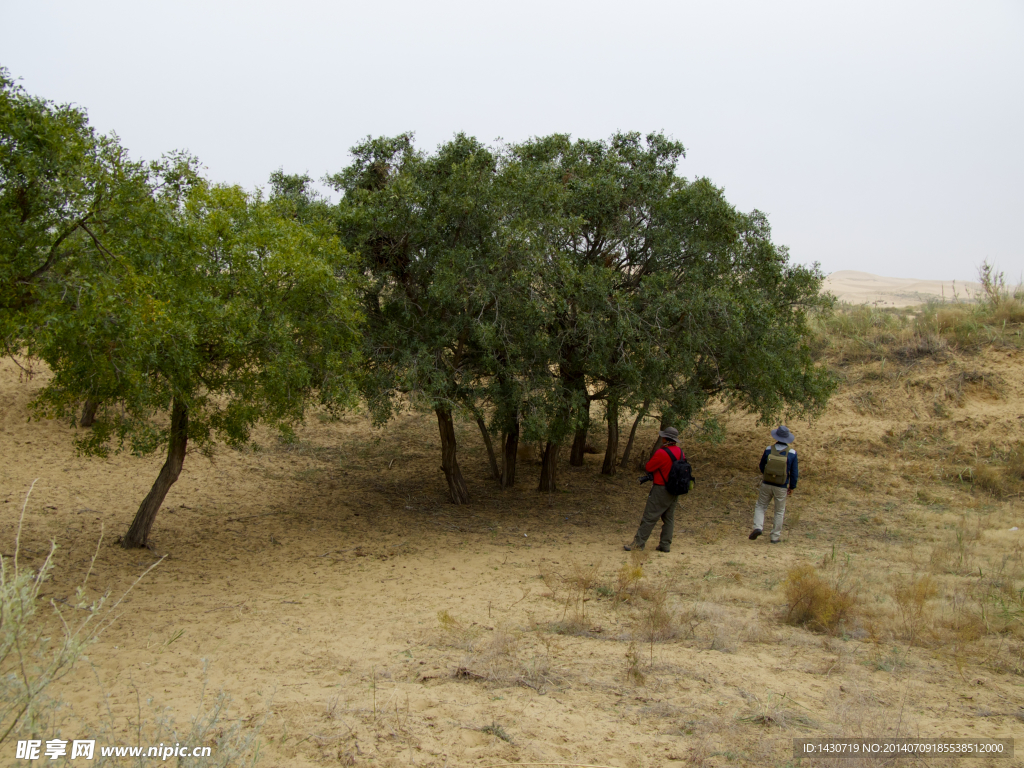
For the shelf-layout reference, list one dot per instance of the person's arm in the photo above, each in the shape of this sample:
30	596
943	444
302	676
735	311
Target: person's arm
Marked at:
764	460
794	473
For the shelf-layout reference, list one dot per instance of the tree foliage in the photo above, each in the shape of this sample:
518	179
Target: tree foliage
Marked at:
531	280
514	285
148	291
224	310
63	189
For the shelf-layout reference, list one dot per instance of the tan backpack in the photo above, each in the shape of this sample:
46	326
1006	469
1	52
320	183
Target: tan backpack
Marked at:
775	467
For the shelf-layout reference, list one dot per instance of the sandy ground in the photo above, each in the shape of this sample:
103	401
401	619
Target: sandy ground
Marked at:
358	619
855	287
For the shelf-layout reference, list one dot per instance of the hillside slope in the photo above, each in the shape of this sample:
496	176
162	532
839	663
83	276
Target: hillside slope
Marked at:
328	587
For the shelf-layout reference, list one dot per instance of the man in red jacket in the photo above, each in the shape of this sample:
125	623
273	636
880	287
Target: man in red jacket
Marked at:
661	505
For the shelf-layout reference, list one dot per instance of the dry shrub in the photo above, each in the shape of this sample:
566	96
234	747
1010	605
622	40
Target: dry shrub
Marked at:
989	478
758	631
552	580
579	582
1004	305
634	664
957	555
912	595
507	659
656	623
1008	658
1002	475
820	604
691	618
836	659
985	619
957	321
628	578
778	711
723	639
455	633
963	626
1015	462
1010	311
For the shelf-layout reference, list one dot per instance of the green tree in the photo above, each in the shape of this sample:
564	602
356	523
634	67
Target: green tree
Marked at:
611	224
63	189
451	261
662	296
219	307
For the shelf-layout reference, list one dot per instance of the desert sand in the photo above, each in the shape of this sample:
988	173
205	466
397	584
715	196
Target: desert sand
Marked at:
357	618
855	287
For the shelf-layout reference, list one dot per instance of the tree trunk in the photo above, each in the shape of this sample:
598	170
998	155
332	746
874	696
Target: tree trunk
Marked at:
611	451
490	448
457	489
549	468
89	412
138	534
508	472
632	433
642	461
579	445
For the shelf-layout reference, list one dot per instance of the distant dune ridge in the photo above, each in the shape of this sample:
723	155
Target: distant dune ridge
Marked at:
855	287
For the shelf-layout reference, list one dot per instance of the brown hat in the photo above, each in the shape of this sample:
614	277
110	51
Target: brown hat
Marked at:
671	433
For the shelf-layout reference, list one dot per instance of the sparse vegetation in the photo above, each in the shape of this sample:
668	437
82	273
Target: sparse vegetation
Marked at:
962	323
821	599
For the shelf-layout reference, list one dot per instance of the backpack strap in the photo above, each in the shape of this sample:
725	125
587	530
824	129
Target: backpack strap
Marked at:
671	459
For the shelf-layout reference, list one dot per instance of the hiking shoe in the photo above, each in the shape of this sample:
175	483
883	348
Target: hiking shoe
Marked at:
754	534
775	541
660	548
631	547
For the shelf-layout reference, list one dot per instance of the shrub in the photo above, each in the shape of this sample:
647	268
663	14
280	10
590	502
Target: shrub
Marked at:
32	656
629	576
990	479
911	596
820	604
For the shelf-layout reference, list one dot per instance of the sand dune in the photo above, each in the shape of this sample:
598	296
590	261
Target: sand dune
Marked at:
855	287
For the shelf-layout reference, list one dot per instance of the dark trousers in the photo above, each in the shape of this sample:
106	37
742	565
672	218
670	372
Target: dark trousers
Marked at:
661	505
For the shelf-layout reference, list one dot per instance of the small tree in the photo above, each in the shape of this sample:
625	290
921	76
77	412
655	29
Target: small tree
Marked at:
450	272
223	310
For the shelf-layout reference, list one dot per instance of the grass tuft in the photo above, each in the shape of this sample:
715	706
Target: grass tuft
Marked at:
820	603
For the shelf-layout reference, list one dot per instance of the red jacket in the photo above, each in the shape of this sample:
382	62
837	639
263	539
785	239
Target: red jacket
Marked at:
659	465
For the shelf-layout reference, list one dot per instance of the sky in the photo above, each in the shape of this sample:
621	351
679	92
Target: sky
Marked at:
884	137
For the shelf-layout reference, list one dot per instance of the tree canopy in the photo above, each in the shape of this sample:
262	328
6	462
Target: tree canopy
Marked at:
534	279
149	290
513	285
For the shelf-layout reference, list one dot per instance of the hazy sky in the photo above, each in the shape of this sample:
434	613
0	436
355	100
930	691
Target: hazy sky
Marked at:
881	136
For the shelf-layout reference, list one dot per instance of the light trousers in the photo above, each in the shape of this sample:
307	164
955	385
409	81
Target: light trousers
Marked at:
764	496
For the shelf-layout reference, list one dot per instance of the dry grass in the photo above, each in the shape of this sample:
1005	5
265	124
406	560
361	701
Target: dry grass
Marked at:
777	711
455	633
861	334
635	664
629	576
822	600
912	595
956	556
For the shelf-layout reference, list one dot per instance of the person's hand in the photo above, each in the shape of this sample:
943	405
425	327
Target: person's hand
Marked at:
789	492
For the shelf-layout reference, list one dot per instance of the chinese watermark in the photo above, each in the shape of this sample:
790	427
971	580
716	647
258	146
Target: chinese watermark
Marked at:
51	749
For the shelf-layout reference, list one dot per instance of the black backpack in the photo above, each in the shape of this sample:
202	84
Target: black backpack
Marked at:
680	477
